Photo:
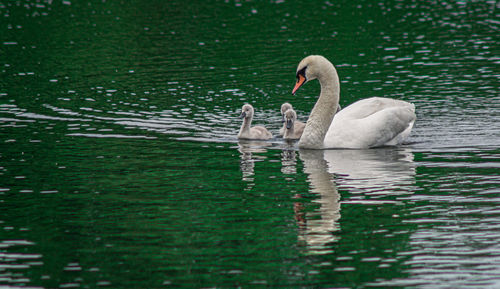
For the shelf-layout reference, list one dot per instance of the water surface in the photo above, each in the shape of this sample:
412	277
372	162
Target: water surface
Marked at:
120	167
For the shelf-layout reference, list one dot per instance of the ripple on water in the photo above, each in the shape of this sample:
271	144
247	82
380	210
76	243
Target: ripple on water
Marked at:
188	119
424	215
456	219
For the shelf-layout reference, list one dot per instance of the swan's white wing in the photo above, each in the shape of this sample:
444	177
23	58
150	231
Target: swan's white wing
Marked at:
371	123
368	106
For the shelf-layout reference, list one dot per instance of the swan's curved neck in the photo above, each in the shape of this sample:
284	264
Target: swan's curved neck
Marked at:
324	110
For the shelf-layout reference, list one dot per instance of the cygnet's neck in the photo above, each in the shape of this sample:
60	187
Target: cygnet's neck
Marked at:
290	131
324	110
247	122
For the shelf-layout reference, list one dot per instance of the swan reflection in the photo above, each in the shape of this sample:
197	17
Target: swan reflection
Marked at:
373	171
316	228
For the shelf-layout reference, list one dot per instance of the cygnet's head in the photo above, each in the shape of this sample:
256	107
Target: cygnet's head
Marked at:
290	118
284	107
246	111
311	68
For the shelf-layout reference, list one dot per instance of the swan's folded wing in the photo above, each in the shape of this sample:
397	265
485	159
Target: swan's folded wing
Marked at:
389	126
368	106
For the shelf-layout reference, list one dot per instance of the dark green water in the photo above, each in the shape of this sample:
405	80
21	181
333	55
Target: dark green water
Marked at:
120	167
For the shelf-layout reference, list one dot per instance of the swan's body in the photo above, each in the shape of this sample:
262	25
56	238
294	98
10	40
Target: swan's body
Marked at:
249	132
367	123
293	127
371	122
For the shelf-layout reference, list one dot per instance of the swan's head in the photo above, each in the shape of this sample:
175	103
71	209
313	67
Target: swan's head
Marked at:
310	68
290	118
284	107
246	111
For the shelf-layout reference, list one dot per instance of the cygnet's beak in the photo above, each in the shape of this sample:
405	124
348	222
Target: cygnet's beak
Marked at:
300	80
289	123
243	114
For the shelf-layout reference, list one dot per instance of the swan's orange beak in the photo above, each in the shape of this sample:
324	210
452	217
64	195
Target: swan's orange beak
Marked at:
300	80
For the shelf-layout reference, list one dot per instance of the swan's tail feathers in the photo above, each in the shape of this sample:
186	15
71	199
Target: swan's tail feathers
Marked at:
408	118
412	106
406	133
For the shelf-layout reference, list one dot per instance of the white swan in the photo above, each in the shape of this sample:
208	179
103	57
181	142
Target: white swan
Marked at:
366	123
249	132
294	128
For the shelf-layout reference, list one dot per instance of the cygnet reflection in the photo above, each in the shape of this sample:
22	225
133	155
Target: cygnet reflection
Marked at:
379	171
289	161
250	152
317	228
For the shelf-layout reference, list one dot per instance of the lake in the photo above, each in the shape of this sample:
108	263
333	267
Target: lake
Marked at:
120	166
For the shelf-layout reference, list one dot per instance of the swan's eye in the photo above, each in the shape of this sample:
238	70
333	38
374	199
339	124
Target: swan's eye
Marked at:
302	72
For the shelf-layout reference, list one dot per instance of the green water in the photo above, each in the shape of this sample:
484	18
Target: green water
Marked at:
120	167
